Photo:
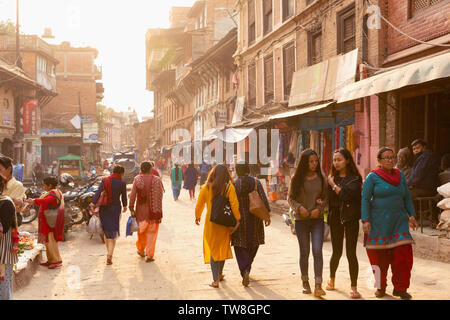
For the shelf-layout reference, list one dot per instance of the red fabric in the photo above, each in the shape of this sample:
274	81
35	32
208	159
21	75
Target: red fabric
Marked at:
155	172
393	178
43	228
108	187
401	261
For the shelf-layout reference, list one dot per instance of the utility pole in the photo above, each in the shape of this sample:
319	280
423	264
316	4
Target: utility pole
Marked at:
18	138
18	57
81	124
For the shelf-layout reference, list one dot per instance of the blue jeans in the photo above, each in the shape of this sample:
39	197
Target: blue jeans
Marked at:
176	191
216	268
305	230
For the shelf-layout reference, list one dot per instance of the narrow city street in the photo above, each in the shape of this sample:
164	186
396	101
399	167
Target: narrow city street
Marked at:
178	271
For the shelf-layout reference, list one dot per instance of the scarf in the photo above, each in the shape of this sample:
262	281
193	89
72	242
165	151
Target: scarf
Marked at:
393	178
107	185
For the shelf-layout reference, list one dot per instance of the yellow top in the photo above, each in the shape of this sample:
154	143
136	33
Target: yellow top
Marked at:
216	238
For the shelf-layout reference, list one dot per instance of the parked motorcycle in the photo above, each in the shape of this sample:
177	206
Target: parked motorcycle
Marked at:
30	212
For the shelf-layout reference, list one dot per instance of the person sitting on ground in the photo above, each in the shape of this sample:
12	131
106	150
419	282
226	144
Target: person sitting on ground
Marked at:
404	161
423	180
444	176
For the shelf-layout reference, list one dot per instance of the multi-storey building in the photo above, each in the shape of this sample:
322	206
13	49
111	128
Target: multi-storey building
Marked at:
78	90
38	63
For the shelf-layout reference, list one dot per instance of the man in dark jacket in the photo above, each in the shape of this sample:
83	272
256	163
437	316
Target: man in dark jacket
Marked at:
423	179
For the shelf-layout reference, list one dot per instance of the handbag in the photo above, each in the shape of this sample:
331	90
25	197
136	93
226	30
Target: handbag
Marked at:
257	206
132	226
221	212
95	225
51	214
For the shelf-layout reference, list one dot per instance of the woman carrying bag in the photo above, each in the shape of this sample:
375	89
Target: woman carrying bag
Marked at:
250	234
50	221
344	194
148	191
216	237
114	190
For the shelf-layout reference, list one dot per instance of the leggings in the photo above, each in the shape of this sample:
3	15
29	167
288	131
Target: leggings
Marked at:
351	231
216	268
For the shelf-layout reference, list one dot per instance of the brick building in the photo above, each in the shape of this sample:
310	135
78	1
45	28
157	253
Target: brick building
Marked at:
145	139
38	64
76	85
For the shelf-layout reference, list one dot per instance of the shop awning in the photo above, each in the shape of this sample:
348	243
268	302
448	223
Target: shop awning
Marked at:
235	135
300	111
415	73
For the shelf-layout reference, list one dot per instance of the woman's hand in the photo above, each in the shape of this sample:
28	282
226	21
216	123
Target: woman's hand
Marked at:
413	223
303	212
331	181
315	214
197	221
30	201
124	209
133	214
267	223
366	227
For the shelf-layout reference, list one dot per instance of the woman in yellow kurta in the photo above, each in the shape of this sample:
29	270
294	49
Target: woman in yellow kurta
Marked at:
216	238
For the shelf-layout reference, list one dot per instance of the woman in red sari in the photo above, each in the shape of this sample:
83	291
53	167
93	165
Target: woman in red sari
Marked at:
148	191
53	198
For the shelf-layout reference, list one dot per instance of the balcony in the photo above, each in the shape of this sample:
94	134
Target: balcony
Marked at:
27	43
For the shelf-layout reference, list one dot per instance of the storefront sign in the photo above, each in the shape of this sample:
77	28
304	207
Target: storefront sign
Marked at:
28	107
90	132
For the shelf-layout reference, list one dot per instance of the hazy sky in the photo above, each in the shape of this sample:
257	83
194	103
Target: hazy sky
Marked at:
115	27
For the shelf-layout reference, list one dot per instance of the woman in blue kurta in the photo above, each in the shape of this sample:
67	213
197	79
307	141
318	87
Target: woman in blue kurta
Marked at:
176	176
115	189
387	213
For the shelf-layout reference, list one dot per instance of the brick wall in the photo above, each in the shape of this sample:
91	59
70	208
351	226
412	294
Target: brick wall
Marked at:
77	62
425	26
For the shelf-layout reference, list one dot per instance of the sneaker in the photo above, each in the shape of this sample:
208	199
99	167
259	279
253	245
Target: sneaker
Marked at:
402	294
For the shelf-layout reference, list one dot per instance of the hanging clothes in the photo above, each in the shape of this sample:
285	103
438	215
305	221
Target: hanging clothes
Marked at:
337	138
328	153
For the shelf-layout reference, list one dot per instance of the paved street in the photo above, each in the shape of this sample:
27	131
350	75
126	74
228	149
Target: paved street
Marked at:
179	272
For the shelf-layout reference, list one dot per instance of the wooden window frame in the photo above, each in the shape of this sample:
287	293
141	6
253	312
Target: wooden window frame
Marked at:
251	24
311	36
251	100
285	9
268	96
266	21
286	95
341	16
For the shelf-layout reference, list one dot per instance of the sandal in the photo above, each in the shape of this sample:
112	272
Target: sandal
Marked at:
214	285
355	295
330	286
221	277
147	259
109	260
141	254
44	264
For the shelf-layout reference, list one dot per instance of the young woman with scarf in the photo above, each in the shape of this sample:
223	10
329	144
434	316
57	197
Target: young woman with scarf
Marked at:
344	201
115	190
387	214
52	199
148	191
307	197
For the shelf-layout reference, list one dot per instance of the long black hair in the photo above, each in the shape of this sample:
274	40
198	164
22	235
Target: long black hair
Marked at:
302	169
6	163
352	170
218	178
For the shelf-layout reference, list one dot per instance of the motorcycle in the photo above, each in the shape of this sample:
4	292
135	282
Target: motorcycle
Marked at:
30	212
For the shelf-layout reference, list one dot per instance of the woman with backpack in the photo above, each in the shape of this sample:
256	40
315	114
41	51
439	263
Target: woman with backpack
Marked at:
50	232
148	191
216	237
307	198
344	194
250	234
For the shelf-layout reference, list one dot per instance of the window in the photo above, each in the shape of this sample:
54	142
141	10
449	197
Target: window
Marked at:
346	30
268	79
288	68
267	16
417	6
251	22
252	85
314	47
288	9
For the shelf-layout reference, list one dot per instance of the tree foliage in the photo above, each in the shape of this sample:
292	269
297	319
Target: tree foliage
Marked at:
7	27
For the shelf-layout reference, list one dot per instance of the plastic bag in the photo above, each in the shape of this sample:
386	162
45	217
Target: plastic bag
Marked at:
444	204
132	226
95	225
444	190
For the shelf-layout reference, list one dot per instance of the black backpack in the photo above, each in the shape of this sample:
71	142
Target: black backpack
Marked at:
221	212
